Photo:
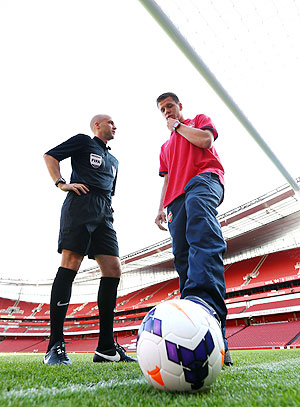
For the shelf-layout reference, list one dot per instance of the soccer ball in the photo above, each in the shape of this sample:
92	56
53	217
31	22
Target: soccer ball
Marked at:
180	346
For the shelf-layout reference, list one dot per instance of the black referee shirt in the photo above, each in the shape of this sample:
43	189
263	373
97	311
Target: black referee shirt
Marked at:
92	163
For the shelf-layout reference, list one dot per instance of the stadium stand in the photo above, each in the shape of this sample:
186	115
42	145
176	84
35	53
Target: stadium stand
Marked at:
23	344
232	330
235	276
278	334
275	305
5	305
236	310
15	330
296	342
246	330
37	331
91	309
43	311
279	266
148	296
81	329
263	299
80	310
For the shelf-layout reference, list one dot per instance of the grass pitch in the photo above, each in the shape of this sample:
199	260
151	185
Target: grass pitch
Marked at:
269	378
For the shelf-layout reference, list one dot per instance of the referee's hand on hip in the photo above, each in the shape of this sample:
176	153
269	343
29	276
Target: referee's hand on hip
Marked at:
77	188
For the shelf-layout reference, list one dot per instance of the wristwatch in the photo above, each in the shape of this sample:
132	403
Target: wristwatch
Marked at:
176	125
60	180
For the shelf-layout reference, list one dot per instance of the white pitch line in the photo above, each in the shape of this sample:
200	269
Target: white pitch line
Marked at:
75	388
274	366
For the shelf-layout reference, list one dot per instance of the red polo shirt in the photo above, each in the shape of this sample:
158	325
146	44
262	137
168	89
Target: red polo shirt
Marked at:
181	160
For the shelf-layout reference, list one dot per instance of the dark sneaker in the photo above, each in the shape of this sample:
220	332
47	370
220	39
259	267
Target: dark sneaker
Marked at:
204	304
57	355
115	354
228	359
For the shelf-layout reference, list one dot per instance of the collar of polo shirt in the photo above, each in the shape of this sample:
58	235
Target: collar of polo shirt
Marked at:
101	142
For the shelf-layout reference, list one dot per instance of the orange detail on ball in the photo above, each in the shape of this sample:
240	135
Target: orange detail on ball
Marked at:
155	374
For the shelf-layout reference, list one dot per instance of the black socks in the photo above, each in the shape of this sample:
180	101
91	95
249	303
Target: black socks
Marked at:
107	297
60	298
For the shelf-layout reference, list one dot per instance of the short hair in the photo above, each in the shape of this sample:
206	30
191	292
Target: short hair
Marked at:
167	95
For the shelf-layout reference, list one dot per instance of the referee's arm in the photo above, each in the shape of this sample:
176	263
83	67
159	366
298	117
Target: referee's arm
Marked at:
54	171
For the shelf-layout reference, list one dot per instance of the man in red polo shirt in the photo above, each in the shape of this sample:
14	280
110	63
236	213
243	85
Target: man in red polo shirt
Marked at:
193	188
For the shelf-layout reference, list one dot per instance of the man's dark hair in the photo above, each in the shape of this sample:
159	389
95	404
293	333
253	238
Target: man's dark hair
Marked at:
167	95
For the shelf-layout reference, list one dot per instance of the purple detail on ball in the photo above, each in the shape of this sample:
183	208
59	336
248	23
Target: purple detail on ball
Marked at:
196	375
157	327
139	333
172	352
190	376
200	352
152	312
187	356
209	343
148	325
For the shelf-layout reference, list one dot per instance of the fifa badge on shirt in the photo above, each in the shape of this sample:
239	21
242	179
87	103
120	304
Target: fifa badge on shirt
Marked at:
95	160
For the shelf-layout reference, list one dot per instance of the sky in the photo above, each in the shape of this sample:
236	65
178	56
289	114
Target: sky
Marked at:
64	61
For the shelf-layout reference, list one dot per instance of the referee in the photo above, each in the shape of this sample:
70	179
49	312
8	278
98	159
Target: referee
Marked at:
86	228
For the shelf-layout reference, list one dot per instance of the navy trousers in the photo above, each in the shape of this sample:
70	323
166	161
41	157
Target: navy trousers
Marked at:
198	244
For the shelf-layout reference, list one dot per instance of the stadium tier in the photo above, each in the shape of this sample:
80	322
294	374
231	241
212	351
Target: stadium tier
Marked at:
17	330
91	309
296	342
37	331
43	311
148	295
23	344
5	305
282	266
263	300
279	334
295	302
265	270
235	276
232	330
237	310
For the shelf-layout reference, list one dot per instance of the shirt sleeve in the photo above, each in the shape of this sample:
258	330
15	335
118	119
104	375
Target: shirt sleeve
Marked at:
204	123
163	169
68	147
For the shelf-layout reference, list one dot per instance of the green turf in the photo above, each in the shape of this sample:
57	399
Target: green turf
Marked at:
258	378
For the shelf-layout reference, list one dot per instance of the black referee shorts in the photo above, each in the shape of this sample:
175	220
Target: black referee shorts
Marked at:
86	225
